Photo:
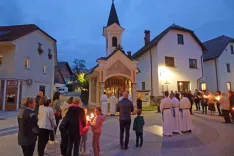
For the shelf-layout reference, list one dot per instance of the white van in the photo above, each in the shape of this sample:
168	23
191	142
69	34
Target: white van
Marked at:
63	90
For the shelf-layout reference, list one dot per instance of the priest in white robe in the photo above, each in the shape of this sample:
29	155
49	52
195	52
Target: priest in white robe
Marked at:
175	113
165	107
185	116
113	102
104	104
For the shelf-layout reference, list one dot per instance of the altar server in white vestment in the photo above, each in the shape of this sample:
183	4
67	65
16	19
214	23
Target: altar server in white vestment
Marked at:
113	102
175	113
129	96
165	107
104	106
121	97
185	116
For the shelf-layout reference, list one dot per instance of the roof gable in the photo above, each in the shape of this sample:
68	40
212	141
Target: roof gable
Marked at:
62	64
10	33
215	47
161	35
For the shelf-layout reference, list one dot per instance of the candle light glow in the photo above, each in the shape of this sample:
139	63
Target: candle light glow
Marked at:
92	115
217	98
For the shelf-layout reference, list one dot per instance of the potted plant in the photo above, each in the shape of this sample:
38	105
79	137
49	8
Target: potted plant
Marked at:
50	55
39	49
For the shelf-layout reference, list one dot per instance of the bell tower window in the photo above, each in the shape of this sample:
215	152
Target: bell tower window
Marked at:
114	41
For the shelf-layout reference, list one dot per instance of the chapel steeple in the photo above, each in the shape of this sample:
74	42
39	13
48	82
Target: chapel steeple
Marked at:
113	17
113	31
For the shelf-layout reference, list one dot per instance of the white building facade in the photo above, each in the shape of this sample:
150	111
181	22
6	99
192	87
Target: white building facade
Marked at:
171	61
27	62
218	65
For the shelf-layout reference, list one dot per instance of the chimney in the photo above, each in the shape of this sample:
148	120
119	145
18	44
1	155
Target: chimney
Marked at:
129	54
147	37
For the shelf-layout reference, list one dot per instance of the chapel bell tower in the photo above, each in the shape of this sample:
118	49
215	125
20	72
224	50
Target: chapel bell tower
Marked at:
113	31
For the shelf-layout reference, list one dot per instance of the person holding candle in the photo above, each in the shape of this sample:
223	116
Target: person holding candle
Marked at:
83	149
96	126
74	120
204	103
218	96
225	106
211	101
232	104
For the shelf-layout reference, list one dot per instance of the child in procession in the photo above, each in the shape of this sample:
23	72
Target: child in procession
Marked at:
83	149
96	126
138	128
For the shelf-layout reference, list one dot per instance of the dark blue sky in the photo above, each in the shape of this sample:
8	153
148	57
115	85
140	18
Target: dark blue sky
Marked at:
77	24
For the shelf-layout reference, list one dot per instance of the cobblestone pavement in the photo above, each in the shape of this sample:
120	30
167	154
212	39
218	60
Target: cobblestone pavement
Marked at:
210	137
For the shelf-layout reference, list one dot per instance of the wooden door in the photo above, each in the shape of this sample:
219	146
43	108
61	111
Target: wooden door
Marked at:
11	98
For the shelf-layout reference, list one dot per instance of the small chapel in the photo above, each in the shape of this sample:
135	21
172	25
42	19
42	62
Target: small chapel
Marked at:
115	72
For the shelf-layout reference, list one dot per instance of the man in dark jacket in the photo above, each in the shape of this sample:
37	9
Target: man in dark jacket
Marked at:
190	97
28	128
124	107
39	95
71	123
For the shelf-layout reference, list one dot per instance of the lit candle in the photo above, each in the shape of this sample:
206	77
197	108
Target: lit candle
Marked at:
233	108
217	98
91	116
87	118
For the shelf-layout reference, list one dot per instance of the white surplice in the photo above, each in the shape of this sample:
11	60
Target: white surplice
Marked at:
129	97
165	107
113	104
175	114
120	98
185	116
104	104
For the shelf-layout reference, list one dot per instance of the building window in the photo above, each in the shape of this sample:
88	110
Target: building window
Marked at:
1	60
169	61
44	68
143	85
229	86
228	67
180	39
203	86
27	63
114	41
192	63
232	50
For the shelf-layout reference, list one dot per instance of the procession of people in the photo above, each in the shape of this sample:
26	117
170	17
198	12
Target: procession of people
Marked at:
40	118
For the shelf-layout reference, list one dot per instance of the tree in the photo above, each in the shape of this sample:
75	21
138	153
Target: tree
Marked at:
79	70
79	66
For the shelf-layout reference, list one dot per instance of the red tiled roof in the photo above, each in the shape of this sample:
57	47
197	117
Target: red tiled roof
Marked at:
10	33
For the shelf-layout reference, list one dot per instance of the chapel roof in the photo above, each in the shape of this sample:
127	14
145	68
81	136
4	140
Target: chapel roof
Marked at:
161	35
216	46
113	17
13	32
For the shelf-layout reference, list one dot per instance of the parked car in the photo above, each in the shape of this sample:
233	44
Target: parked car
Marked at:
63	90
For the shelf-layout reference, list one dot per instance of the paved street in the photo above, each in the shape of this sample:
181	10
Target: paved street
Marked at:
210	137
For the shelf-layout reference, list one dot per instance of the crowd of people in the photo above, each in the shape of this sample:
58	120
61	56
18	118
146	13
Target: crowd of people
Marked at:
177	109
223	103
40	118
